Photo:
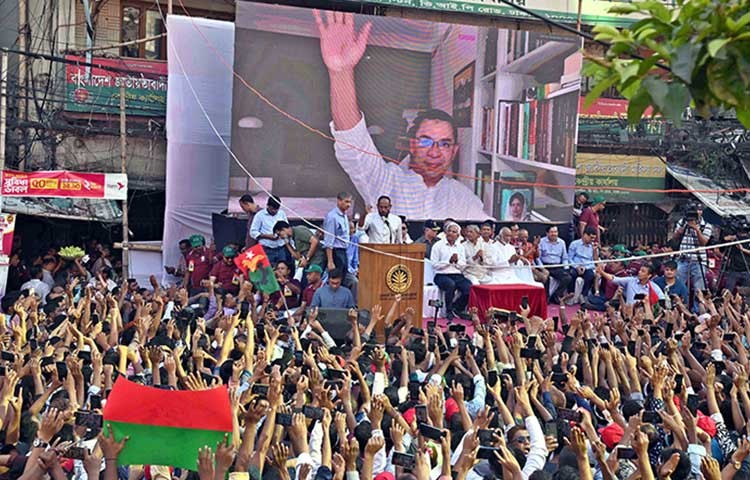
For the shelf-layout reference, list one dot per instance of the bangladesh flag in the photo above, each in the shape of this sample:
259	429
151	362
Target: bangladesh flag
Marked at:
166	427
254	263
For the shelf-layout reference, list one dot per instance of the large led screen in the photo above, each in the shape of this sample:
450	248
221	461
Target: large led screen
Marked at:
449	120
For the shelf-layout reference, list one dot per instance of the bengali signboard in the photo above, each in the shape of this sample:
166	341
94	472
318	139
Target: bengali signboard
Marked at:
110	186
593	11
97	90
622	171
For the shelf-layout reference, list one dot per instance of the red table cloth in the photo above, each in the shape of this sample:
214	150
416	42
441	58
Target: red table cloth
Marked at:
508	297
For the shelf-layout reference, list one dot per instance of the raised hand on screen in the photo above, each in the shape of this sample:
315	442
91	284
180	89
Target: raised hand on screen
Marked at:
341	46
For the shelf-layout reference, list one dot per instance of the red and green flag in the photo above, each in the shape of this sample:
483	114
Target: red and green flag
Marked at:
255	265
166	427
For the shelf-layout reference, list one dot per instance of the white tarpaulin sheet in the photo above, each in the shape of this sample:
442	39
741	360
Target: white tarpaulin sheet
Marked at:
197	162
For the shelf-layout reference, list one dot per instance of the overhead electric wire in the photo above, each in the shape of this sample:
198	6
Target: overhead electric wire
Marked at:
400	257
514	183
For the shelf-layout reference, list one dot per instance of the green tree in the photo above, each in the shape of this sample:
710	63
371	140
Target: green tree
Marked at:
696	54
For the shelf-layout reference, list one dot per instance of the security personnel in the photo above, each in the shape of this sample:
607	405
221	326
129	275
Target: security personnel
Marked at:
225	273
199	260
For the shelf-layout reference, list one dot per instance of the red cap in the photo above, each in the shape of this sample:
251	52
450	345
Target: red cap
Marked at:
706	424
611	435
385	476
451	408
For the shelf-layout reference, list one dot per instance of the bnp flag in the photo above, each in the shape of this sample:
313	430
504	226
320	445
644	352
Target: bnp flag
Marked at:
166	427
255	265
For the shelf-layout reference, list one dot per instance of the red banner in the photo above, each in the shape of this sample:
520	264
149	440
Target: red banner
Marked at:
110	186
608	108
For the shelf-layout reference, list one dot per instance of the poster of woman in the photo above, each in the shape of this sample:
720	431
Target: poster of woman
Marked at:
517	205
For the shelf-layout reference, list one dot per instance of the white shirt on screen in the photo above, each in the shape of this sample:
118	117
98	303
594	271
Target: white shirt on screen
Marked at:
378	232
441	255
374	176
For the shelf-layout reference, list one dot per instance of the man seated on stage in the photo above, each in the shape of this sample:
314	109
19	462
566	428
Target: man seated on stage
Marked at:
477	267
332	294
506	261
449	260
582	253
552	251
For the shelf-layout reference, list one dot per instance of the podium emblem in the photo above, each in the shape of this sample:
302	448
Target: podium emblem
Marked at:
398	278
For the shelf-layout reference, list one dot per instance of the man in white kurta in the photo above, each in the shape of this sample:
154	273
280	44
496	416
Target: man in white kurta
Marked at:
509	262
477	271
420	186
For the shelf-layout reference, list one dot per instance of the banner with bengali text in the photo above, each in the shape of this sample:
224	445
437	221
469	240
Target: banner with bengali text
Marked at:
110	186
621	171
97	90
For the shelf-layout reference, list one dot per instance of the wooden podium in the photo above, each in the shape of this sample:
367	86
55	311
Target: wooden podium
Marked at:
383	276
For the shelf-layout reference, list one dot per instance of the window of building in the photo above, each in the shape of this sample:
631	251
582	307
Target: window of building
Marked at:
141	19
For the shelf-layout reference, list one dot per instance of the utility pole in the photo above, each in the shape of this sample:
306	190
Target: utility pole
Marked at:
3	113
22	75
580	11
123	169
169	7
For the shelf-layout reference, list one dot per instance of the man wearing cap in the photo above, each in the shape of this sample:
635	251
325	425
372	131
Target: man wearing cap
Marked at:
314	276
430	236
262	231
225	273
590	217
199	260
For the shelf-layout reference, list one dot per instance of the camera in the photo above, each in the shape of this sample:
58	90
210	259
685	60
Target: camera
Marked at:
736	225
437	303
691	214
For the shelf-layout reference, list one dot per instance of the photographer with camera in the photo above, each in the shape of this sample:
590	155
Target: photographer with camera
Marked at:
692	231
736	257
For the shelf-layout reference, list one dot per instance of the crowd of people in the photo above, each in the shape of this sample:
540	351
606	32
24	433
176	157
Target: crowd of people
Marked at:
636	384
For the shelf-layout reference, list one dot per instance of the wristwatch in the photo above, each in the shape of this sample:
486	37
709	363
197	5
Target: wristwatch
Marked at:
39	443
737	464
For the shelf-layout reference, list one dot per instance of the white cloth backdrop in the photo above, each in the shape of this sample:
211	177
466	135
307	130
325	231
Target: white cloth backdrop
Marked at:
197	163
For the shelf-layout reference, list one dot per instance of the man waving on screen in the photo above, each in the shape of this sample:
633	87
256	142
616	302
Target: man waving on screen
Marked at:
418	186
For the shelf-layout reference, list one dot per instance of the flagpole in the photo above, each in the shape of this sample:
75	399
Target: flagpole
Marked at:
283	297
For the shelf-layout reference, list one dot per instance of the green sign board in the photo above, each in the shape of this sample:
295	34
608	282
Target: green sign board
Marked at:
593	11
97	90
621	171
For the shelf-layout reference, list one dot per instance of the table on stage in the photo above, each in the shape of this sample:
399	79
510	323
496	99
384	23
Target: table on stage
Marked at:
508	297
